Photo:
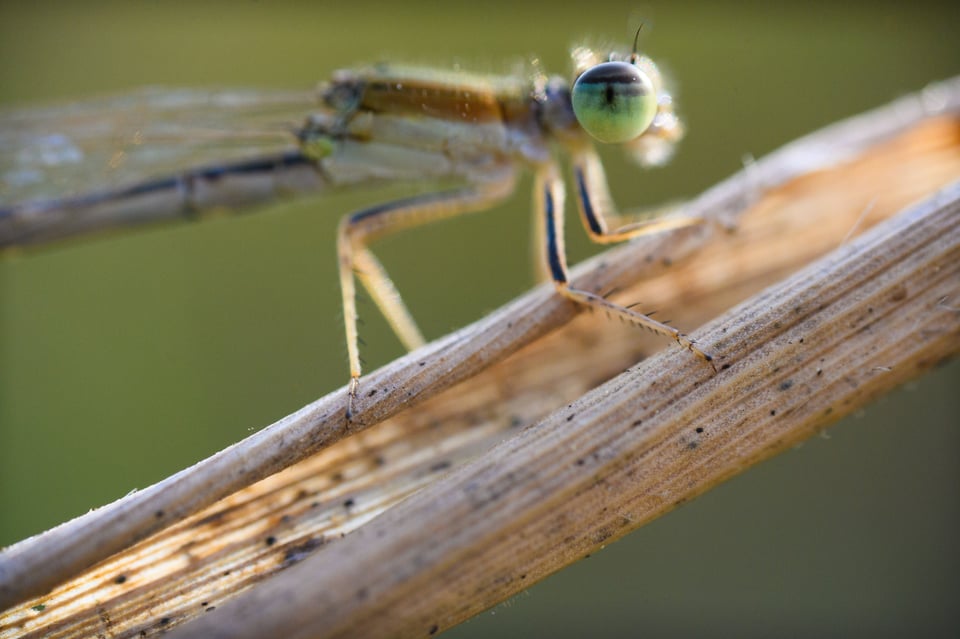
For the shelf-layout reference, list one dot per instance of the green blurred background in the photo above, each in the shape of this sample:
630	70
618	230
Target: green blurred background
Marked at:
125	359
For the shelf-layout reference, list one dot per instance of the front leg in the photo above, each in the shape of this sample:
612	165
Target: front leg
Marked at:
549	200
603	223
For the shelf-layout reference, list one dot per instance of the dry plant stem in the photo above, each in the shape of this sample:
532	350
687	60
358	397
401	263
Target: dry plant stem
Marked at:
808	351
196	565
36	564
831	338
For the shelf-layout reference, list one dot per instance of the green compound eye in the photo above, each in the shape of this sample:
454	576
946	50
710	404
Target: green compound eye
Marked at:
614	101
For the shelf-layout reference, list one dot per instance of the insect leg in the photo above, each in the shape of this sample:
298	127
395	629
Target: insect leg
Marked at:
598	211
356	231
549	201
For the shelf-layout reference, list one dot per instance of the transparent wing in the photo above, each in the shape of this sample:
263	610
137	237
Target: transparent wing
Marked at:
76	148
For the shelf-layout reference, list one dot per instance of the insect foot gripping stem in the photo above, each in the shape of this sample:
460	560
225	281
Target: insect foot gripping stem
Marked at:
352	390
635	318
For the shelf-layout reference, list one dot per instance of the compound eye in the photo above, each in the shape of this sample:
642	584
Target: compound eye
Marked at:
614	101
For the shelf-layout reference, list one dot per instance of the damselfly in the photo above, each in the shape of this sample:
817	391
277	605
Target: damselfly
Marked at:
154	155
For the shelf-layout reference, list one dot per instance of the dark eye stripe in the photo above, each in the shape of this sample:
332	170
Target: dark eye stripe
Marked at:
613	72
614	81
